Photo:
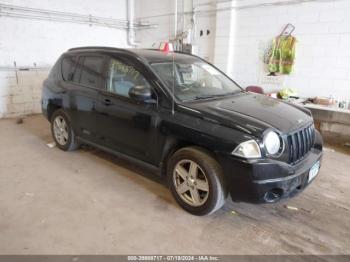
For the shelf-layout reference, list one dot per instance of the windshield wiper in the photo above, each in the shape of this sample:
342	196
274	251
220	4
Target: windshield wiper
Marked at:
214	96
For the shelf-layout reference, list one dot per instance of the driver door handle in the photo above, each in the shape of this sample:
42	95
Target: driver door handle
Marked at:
107	102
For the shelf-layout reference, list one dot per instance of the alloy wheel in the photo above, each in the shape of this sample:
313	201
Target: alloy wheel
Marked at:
60	129
191	183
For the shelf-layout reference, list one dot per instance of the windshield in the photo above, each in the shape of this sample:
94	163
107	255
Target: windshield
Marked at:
194	81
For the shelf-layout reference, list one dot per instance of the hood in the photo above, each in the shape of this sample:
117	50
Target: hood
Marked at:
253	113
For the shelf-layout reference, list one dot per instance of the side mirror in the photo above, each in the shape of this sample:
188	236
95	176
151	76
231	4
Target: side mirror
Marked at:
141	93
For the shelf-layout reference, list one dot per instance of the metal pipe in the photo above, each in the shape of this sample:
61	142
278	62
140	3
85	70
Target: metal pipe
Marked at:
91	22
24	68
130	5
47	12
175	20
266	4
42	14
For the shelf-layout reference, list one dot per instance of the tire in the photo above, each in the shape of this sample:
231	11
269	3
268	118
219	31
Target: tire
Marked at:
66	142
209	177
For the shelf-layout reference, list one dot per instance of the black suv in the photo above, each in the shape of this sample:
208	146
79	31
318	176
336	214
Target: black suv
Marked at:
181	116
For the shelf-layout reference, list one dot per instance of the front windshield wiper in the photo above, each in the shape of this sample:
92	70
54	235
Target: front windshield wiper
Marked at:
212	96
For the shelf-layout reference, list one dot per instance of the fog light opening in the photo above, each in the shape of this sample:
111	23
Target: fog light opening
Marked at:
273	195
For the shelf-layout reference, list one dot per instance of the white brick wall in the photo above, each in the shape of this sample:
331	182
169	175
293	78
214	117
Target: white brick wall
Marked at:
224	40
161	12
20	95
28	41
323	55
149	11
322	65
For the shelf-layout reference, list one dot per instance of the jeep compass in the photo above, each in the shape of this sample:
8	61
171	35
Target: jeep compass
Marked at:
186	120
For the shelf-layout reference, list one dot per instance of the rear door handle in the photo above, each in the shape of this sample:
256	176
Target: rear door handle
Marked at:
107	102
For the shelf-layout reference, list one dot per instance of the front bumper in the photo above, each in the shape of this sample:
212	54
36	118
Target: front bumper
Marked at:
262	181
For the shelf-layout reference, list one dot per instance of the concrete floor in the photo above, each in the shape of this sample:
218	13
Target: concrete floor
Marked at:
88	202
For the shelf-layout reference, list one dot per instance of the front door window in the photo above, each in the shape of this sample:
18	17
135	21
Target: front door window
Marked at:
123	77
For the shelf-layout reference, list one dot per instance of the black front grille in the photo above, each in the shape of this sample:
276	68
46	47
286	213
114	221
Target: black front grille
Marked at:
300	143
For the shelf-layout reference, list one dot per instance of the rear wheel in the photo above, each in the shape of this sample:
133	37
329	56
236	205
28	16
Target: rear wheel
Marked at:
196	181
62	131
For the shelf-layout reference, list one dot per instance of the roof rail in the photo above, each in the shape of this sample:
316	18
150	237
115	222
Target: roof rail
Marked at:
95	47
176	52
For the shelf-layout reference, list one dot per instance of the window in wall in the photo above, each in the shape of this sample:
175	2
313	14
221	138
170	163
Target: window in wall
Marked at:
92	71
122	77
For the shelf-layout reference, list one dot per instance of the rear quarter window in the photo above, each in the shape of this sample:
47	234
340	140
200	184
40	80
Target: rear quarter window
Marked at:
68	67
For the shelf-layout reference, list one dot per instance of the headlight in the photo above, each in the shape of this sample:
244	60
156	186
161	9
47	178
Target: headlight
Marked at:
272	143
248	149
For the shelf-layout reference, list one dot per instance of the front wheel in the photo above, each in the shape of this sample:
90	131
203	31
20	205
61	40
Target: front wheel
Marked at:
62	131
196	181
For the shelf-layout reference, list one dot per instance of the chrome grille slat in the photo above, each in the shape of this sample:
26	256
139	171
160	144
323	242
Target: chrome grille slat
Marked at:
300	143
295	151
303	136
311	140
290	147
308	139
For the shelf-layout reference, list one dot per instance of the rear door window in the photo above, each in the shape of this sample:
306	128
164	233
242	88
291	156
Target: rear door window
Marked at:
92	71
